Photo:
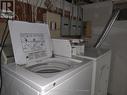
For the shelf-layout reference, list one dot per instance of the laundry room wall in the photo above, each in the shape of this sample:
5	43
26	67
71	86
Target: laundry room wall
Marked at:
34	5
38	10
116	41
98	14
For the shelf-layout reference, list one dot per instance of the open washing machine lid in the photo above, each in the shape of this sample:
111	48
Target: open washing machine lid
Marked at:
30	41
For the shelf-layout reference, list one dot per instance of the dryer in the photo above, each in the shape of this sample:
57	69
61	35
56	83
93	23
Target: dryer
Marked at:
38	69
101	68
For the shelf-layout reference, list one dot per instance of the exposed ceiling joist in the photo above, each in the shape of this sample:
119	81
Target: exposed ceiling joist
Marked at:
80	1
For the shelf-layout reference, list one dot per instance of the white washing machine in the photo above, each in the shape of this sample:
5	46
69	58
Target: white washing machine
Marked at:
36	71
101	68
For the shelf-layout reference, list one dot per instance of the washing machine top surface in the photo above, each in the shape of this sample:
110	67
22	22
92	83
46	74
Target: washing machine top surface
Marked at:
46	75
94	53
51	66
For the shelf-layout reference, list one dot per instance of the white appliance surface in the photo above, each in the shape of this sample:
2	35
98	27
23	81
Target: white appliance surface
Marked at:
93	53
43	82
36	72
101	69
62	47
30	41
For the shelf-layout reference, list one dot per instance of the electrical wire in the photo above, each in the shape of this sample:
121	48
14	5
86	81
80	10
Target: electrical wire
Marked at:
3	40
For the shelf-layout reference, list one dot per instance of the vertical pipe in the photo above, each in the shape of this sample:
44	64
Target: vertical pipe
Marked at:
77	17
71	18
63	3
35	10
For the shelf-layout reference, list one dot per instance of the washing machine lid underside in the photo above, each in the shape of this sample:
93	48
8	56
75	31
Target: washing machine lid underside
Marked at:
30	41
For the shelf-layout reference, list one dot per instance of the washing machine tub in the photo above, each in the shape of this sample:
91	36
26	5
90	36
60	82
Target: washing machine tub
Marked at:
51	66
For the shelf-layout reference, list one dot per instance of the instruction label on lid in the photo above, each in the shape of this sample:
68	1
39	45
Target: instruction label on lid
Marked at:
30	41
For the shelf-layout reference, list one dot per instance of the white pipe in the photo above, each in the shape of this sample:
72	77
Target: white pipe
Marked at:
107	29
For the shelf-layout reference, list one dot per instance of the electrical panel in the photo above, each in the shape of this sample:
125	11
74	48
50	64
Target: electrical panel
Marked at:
73	30
79	28
54	21
65	25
